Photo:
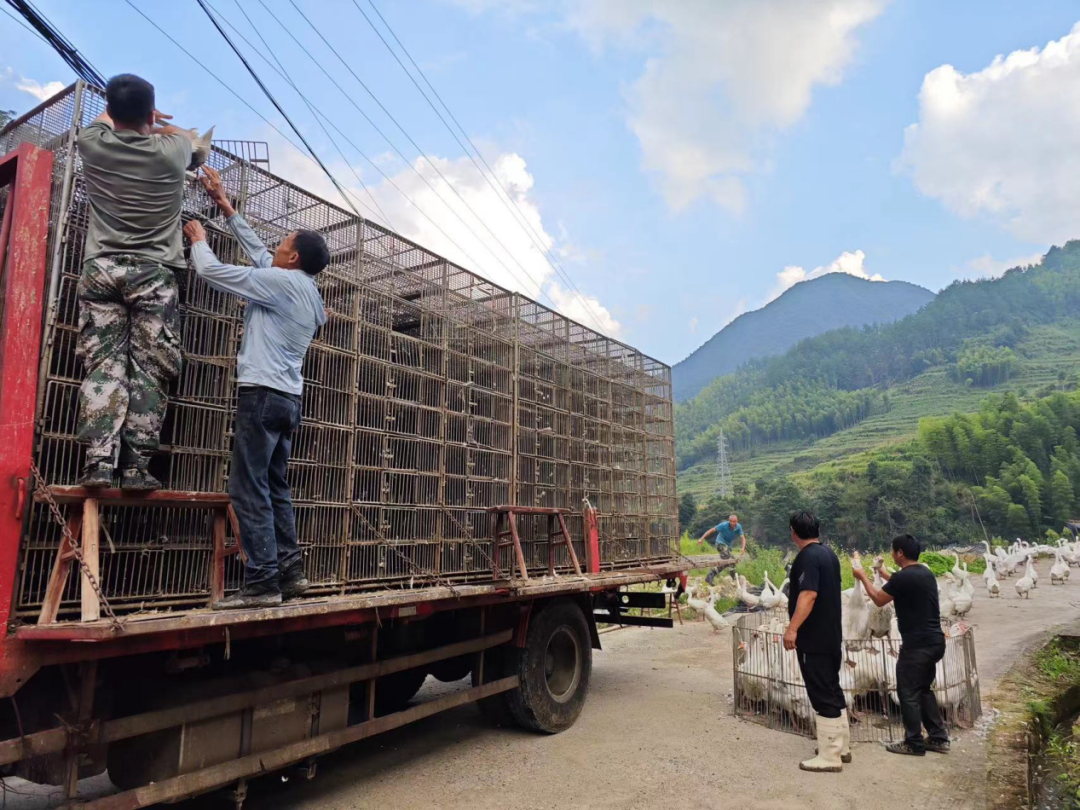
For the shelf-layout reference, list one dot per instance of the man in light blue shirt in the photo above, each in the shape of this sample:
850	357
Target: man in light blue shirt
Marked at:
284	311
725	533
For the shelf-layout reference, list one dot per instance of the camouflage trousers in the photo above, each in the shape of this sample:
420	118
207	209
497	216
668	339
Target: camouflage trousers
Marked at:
129	342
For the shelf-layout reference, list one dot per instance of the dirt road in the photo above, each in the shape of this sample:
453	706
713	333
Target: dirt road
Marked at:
657	730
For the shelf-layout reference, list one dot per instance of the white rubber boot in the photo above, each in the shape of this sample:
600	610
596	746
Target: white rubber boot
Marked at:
830	739
845	750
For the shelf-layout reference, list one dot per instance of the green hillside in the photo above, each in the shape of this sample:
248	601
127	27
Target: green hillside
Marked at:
1044	353
793	316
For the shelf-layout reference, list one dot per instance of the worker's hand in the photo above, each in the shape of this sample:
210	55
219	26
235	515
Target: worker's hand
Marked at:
701	544
159	116
211	181
789	638
194	231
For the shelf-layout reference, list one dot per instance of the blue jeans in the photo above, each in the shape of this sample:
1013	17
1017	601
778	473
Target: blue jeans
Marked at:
265	422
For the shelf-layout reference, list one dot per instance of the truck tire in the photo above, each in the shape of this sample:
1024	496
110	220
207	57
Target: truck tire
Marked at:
554	670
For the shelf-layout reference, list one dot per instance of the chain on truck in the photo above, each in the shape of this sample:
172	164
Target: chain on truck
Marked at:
478	481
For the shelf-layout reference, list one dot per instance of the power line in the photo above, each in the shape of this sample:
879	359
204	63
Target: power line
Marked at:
278	107
346	137
288	78
523	221
59	43
17	21
222	82
539	288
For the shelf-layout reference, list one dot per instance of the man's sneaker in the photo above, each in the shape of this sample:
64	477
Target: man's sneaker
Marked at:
96	476
937	746
248	598
905	748
134	479
294	584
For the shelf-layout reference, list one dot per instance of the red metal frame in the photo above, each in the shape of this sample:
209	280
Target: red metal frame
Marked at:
27	170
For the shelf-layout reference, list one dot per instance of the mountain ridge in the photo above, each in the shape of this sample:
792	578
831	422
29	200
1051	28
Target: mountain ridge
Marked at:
776	327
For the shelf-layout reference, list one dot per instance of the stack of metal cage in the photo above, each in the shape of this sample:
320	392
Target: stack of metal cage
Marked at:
430	395
769	688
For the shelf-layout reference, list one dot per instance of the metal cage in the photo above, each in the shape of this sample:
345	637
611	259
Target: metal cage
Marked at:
769	689
430	395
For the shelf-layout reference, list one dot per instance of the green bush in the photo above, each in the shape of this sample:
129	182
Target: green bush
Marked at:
941	563
758	560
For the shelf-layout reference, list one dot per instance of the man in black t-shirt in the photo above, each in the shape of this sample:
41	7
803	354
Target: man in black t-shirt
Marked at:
914	590
814	633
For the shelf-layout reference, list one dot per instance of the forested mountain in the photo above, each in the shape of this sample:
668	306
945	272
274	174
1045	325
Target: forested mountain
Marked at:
1005	463
1010	470
829	382
807	309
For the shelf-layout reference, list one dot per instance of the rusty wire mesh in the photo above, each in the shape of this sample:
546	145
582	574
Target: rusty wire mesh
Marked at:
769	688
430	395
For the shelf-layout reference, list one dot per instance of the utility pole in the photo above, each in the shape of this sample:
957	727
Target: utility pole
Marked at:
723	469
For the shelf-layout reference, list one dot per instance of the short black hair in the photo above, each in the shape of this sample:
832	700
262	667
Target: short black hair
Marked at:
313	252
805	525
129	99
908	546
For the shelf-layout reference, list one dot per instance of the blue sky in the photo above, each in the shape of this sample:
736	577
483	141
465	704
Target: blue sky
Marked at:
684	161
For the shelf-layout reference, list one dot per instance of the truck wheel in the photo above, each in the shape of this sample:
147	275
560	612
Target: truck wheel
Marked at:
554	670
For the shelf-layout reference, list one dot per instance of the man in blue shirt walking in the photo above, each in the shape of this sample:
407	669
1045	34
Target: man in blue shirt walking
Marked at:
284	311
725	534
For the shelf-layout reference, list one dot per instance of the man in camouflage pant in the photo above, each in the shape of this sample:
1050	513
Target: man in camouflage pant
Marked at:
129	342
129	321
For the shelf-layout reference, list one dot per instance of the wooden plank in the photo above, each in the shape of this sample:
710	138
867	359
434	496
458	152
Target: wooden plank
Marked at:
266	761
217	559
459	596
91	606
117	497
58	577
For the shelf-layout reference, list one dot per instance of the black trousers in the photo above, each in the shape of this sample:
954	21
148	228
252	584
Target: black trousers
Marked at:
821	674
915	671
265	422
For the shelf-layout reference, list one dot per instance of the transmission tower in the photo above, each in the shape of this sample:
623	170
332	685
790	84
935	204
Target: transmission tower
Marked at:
723	469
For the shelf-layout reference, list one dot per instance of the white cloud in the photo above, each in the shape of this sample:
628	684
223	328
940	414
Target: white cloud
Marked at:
519	264
986	266
693	325
1004	142
850	262
39	91
721	79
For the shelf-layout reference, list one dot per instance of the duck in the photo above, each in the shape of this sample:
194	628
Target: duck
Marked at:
1059	571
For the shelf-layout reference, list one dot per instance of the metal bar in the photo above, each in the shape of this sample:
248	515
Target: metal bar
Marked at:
28	170
266	761
161	497
633	621
54	740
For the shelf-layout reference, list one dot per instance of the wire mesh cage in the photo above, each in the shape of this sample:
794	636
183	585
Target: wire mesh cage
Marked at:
430	396
769	688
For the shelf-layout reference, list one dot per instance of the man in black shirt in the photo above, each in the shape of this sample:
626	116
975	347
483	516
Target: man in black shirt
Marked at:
814	633
915	592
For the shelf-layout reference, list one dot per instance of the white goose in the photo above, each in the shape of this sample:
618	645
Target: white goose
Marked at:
770	597
993	587
1024	585
961	599
749	599
714	617
1059	571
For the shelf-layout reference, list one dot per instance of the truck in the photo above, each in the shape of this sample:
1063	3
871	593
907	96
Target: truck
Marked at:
478	482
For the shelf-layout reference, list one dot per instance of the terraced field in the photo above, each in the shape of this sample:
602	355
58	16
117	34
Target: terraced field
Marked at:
1046	351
